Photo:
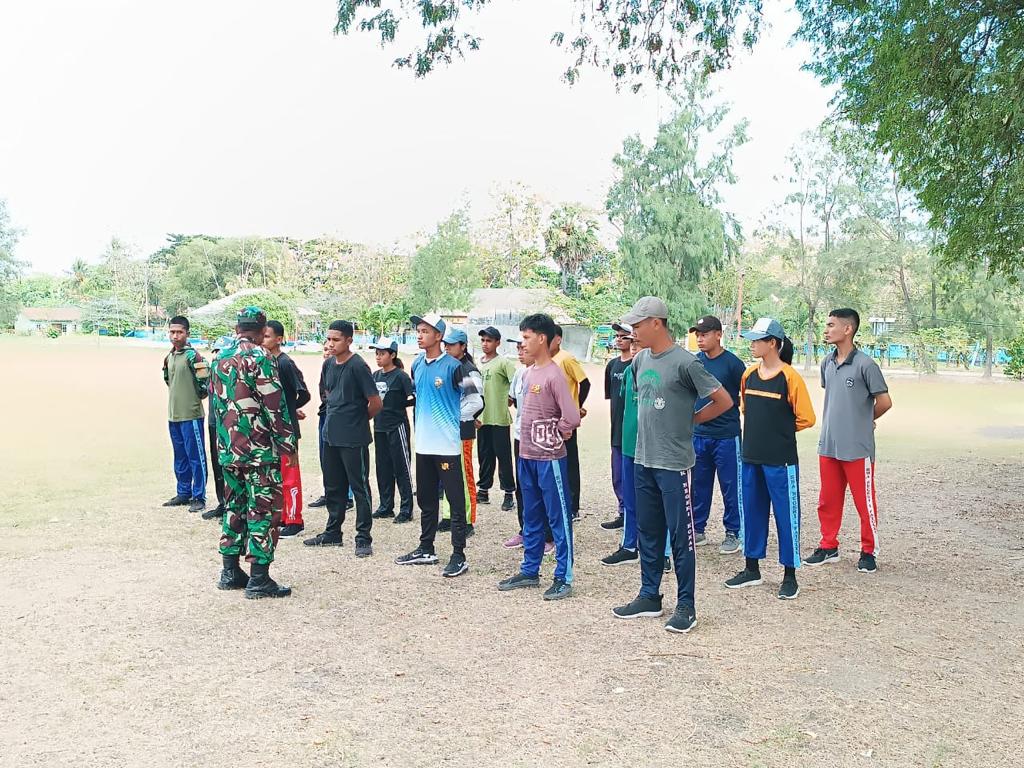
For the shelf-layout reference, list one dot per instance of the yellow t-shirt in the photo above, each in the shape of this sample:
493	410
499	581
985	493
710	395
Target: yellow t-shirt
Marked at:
573	372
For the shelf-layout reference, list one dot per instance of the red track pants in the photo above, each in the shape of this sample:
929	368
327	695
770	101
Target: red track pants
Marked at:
859	474
291	485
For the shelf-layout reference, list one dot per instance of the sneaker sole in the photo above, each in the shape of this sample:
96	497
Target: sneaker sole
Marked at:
514	546
700	543
823	562
794	596
641	615
754	583
722	551
365	554
416	562
867	570
559	596
621	562
513	587
676	630
462	570
318	544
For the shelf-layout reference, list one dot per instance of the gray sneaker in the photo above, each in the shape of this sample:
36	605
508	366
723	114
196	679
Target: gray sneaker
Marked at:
730	546
700	540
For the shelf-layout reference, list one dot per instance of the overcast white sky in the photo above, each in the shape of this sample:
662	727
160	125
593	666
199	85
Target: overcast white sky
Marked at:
248	117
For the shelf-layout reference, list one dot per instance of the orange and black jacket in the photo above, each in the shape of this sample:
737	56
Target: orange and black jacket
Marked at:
774	410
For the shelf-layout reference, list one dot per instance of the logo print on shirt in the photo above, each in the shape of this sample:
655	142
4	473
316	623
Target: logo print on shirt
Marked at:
849	382
438	383
444	466
544	434
659	403
535	389
382	388
649	388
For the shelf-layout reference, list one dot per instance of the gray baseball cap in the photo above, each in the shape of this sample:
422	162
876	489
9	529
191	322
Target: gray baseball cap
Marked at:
765	328
648	306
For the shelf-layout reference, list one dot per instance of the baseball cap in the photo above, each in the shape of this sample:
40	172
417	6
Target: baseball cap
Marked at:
765	328
252	317
385	342
490	332
456	336
625	328
517	339
433	320
648	306
705	324
221	342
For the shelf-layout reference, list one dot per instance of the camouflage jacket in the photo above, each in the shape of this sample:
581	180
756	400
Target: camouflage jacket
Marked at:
253	424
199	367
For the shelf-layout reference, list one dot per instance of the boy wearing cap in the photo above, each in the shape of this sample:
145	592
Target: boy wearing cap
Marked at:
614	372
444	391
669	381
549	415
716	443
856	396
352	402
391	432
186	375
494	446
579	388
456	344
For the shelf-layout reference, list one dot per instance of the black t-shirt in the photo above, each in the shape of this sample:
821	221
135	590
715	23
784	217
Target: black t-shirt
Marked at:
395	390
293	383
613	373
348	386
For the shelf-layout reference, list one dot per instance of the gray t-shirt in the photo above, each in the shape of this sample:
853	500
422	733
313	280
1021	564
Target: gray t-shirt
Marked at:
667	387
848	423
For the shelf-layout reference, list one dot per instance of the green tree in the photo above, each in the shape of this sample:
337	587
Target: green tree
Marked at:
634	40
381	319
509	240
274	306
941	87
443	273
570	241
10	267
110	313
666	205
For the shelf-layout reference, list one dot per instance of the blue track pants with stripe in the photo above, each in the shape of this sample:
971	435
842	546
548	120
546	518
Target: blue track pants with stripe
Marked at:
665	520
721	457
767	486
546	497
189	443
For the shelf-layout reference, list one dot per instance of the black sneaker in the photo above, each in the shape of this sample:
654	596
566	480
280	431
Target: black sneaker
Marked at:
177	501
558	590
482	496
364	550
745	578
321	502
196	505
418	556
323	540
519	581
402	517
380	513
789	589
509	502
457	566
822	556
292	529
614	523
667	567
867	563
444	526
470	531
620	556
640	607
683	620
350	504
214	514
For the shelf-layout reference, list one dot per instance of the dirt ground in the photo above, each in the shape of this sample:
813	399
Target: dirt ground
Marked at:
119	651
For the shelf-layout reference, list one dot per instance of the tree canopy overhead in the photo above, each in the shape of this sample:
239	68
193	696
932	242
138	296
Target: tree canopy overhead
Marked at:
634	40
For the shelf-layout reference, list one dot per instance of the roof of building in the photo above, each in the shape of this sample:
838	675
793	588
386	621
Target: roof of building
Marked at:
52	314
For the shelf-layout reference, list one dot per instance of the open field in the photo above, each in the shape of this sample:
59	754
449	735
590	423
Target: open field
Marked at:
119	651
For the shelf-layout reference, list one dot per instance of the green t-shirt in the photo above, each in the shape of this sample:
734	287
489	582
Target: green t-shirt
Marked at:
629	409
497	374
183	403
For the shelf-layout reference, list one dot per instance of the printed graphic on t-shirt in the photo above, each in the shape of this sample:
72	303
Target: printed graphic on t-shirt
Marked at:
545	435
382	388
649	389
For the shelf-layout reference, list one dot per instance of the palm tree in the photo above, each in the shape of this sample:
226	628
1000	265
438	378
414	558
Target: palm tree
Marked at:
570	241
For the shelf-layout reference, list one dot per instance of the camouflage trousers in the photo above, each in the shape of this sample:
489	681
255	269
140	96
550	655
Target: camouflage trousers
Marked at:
253	501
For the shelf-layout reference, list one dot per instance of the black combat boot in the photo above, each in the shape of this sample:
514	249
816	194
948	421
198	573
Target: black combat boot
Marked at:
231	576
261	585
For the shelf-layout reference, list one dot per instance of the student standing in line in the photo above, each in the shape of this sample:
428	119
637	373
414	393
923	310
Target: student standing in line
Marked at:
391	432
549	417
456	344
579	388
186	375
716	443
613	375
296	395
856	396
776	406
352	402
444	391
515	399
493	444
669	381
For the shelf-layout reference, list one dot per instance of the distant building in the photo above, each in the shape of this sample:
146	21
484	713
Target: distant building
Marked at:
43	319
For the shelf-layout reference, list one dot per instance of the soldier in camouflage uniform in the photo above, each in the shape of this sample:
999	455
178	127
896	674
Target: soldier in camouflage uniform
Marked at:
254	431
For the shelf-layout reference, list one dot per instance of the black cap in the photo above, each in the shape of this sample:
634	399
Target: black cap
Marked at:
490	332
705	324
